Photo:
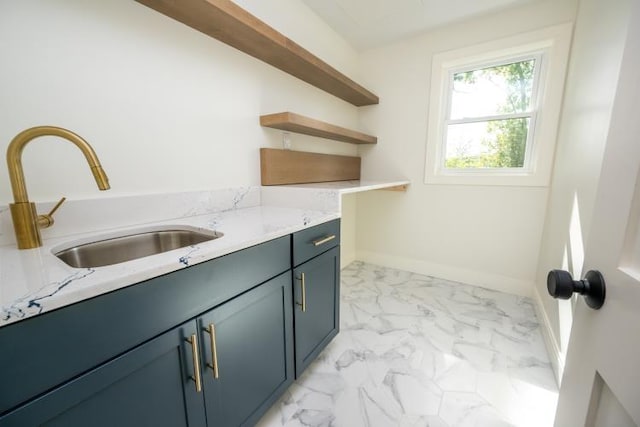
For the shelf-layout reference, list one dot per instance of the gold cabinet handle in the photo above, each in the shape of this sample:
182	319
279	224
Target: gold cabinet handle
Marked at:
304	294
323	240
196	362
211	330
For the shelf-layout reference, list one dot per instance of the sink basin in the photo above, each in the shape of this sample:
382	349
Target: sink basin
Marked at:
134	245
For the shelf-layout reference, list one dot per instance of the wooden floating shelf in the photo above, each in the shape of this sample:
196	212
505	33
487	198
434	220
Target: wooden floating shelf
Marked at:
305	125
278	167
231	24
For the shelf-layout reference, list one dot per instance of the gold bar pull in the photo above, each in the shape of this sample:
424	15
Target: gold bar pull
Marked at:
304	294
211	330
196	362
323	240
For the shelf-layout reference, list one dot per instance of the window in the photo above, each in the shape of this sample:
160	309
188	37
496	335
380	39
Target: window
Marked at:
494	110
491	110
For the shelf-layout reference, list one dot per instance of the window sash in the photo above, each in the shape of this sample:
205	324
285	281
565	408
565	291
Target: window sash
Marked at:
527	167
537	55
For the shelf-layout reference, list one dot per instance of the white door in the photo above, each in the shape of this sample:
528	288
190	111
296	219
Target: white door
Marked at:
601	383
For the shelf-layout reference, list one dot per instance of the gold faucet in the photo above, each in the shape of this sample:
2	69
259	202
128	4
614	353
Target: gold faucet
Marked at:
26	221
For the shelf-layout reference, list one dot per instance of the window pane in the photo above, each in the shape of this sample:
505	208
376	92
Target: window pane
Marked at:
504	89
492	144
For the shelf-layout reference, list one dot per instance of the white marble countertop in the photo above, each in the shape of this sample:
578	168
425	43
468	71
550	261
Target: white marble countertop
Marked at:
322	196
34	281
353	186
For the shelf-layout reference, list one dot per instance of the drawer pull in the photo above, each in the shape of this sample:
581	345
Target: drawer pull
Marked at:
196	362
211	330
324	240
304	294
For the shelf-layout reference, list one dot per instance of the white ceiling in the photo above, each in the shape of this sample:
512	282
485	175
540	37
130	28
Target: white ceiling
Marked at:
370	23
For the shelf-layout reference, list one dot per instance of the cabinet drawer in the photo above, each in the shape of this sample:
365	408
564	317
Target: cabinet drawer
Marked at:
315	240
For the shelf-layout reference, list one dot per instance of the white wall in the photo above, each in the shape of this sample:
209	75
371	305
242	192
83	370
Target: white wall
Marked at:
165	107
594	67
482	235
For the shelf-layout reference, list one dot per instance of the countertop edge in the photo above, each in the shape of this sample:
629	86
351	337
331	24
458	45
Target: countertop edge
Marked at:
72	285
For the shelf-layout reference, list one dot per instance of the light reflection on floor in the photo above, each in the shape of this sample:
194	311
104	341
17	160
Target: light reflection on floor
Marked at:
419	351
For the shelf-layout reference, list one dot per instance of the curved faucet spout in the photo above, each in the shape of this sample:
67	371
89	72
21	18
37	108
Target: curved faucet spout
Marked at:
14	158
25	218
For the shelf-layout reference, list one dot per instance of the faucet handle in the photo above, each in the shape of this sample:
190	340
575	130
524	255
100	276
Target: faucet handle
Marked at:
46	220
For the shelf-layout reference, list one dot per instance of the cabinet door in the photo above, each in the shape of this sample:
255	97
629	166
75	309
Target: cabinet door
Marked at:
317	306
253	350
147	386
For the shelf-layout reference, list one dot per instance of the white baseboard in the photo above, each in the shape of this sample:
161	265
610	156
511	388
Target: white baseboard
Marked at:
347	259
556	356
479	278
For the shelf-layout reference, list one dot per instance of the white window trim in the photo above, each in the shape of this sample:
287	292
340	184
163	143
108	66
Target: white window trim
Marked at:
552	45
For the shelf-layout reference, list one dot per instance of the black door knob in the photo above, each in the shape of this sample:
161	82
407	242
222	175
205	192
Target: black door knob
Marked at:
561	285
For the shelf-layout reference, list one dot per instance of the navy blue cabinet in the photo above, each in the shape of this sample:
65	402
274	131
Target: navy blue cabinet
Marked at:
316	291
45	351
215	344
169	381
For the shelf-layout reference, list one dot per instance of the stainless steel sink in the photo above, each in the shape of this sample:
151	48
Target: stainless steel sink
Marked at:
117	249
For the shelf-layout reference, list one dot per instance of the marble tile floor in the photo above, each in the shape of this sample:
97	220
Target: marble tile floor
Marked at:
414	350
